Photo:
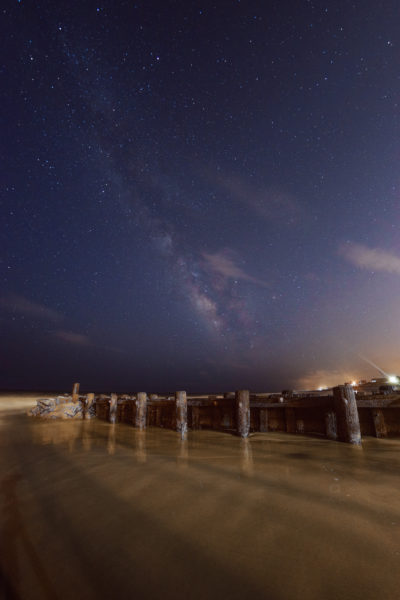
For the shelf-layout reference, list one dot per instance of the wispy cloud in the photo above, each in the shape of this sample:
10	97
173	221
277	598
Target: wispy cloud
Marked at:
71	337
74	338
270	203
372	259
15	303
164	243
223	263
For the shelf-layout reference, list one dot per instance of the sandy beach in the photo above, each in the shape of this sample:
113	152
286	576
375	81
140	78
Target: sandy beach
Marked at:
93	510
15	402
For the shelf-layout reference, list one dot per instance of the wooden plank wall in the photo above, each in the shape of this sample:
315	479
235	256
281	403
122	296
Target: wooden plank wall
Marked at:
339	417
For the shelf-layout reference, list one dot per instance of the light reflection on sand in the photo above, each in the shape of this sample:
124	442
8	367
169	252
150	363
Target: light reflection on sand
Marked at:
91	510
14	402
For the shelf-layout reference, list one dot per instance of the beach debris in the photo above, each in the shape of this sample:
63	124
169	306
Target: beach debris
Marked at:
61	407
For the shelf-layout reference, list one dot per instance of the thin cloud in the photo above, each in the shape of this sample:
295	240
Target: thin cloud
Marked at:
80	339
71	337
223	264
372	259
15	303
164	243
270	203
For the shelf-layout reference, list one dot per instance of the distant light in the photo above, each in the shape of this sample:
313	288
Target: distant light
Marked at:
322	388
393	379
353	383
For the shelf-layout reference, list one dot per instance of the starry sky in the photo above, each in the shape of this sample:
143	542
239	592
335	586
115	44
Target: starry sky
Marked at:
199	195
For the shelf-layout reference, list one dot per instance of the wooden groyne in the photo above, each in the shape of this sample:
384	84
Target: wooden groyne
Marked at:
340	416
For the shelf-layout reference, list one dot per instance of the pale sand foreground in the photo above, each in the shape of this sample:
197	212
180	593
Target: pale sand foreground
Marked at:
90	510
15	402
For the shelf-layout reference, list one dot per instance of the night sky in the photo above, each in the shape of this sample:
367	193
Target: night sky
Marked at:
199	195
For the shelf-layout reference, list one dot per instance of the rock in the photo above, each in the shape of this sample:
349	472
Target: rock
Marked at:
57	408
91	412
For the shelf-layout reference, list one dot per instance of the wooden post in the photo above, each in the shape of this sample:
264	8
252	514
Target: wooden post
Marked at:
195	417
141	410
181	413
158	417
113	408
348	423
75	392
290	418
264	419
330	425
242	398
89	408
379	423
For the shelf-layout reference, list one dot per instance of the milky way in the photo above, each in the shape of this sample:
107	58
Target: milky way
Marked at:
199	195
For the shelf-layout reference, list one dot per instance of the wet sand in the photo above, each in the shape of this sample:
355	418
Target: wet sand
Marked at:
91	510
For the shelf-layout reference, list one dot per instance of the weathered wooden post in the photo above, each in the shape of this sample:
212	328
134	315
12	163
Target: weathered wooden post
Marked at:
75	392
330	425
348	423
89	407
113	408
264	419
290	419
242	398
141	410
379	423
181	413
